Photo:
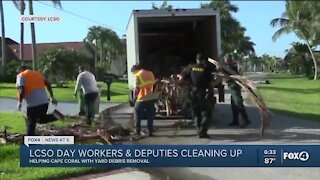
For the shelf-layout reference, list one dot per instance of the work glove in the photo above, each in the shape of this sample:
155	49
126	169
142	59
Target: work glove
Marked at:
54	101
19	105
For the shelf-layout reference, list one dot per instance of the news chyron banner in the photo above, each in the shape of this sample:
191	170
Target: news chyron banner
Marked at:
60	151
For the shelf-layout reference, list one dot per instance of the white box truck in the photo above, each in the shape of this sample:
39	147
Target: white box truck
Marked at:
164	41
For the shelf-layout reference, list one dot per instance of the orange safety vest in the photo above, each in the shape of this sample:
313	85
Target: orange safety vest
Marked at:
33	80
146	81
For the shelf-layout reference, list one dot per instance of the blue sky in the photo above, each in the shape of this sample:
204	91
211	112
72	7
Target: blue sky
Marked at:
255	16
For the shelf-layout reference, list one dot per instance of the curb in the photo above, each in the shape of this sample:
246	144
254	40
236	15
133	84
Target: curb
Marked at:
66	101
113	108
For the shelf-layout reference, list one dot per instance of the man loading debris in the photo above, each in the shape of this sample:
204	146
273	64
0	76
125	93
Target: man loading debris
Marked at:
31	87
87	82
145	97
202	91
236	97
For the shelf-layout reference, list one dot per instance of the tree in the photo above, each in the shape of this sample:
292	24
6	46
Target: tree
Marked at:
20	5
164	5
246	46
299	18
107	42
9	72
314	8
298	59
61	64
266	61
3	35
232	33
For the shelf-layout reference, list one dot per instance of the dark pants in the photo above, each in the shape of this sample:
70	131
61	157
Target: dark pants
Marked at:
201	110
90	101
34	115
237	106
81	104
142	107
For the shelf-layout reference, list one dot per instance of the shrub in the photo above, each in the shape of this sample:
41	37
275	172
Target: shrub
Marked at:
8	73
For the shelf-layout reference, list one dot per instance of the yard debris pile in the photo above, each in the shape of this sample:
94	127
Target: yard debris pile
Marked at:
74	126
84	133
6	136
174	96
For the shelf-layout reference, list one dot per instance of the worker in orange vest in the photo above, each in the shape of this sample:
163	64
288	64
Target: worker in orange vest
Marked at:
31	87
145	97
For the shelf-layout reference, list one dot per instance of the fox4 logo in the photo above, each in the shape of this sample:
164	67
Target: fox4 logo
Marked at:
302	156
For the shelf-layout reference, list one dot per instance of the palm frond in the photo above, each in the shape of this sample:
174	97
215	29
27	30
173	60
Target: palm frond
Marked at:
16	4
279	21
20	5
233	8
154	5
57	3
280	32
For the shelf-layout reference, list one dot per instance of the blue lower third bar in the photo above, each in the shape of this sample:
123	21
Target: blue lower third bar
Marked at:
117	156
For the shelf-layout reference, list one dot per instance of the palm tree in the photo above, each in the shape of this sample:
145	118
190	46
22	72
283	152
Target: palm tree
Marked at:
224	6
21	6
164	5
3	39
314	7
33	38
106	41
92	40
246	46
299	58
297	19
112	45
232	33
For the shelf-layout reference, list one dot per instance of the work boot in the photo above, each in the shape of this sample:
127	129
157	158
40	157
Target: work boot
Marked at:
204	135
88	122
81	113
233	124
246	124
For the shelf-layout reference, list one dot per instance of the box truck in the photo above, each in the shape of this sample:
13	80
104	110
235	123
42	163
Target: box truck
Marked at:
165	40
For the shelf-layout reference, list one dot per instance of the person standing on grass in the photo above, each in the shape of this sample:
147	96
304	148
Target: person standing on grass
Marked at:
145	97
87	82
32	87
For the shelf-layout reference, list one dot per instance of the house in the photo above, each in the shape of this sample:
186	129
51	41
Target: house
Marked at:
9	52
43	47
118	66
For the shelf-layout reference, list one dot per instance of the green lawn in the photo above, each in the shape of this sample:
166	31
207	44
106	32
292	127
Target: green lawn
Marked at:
10	155
292	95
119	91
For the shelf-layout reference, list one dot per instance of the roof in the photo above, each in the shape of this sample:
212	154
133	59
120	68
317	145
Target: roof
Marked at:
10	54
9	41
43	47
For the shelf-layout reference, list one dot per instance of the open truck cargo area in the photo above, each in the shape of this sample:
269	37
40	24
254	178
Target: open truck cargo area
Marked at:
166	41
